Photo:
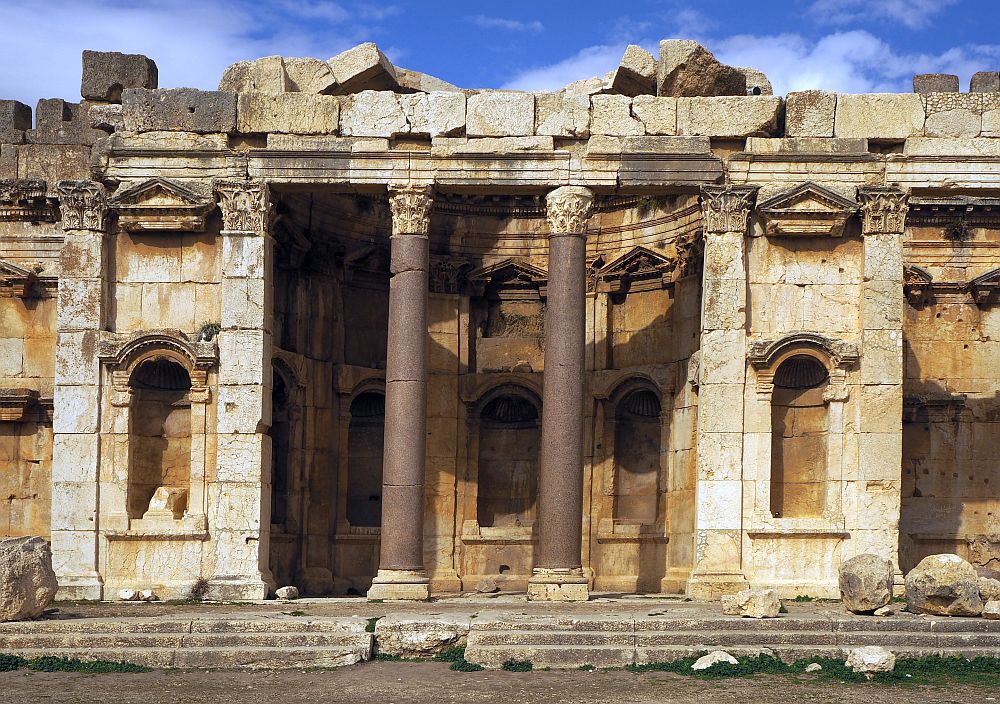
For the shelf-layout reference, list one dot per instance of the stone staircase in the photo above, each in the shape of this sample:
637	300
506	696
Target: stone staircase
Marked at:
561	642
284	642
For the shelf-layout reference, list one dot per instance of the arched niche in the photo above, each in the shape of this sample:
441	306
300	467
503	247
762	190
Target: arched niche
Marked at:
637	455
366	430
509	442
800	428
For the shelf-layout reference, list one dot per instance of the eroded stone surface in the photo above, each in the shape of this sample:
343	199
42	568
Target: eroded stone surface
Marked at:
945	585
752	603
688	69
413	635
871	659
866	583
27	581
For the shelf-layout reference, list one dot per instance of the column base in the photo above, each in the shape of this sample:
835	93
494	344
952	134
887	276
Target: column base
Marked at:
80	587
713	586
558	584
237	589
405	585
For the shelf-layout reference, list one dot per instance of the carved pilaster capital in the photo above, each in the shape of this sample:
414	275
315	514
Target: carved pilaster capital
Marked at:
883	210
411	209
727	208
567	209
83	204
245	205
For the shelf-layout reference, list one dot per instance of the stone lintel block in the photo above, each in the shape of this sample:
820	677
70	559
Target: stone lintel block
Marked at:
448	146
920	146
879	116
985	82
657	115
265	75
59	122
326	143
499	113
435	114
602	144
730	116
805	145
295	113
107	73
179	109
810	113
363	67
612	115
15	119
935	83
373	113
562	114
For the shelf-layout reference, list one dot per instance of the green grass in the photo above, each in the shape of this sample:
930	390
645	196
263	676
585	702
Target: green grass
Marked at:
370	628
456	656
517	666
803	598
586	668
48	663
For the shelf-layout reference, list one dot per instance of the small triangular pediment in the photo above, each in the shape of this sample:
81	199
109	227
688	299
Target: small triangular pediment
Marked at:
808	209
985	287
916	275
9	270
637	261
509	270
159	192
809	197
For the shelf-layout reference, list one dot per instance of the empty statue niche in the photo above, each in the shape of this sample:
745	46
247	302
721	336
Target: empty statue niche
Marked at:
160	447
280	432
637	457
799	427
364	463
509	318
509	435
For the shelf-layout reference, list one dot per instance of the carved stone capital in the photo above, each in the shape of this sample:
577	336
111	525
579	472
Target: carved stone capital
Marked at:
567	209
727	208
245	205
883	210
84	205
411	209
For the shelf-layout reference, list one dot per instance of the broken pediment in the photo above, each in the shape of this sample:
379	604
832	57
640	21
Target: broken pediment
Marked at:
18	282
640	269
916	282
509	278
985	288
806	211
161	205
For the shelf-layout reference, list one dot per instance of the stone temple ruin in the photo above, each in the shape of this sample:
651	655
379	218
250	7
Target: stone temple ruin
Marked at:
346	326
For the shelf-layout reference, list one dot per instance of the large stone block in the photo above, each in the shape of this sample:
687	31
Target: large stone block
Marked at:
743	116
866	583
612	115
373	113
498	113
935	83
985	82
636	73
945	585
688	69
562	114
8	161
953	114
59	122
309	75
27	582
179	109
53	162
657	115
266	75
364	67
415	635
287	112
107	73
810	113
436	114
15	119
892	116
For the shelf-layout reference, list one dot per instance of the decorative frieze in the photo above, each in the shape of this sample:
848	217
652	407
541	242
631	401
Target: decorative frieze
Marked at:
161	205
933	408
245	205
883	210
808	210
411	209
448	275
763	353
24	200
568	208
83	205
727	208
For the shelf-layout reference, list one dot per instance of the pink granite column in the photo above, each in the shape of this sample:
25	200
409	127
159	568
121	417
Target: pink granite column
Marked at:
401	573
558	573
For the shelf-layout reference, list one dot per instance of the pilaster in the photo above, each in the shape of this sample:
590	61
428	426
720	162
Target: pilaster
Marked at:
726	212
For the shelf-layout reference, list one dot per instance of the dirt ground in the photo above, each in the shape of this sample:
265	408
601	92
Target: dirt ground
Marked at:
417	683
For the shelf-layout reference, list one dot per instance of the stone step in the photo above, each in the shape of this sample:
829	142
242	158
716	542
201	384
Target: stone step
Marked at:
174	640
180	626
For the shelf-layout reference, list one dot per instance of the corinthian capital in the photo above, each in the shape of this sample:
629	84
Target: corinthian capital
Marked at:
726	208
883	210
411	209
245	205
568	208
83	204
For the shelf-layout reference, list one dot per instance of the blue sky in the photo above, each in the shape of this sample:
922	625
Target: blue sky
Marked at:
843	45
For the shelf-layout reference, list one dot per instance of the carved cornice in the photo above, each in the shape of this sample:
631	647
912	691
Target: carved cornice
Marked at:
245	205
24	200
18	282
15	403
411	209
448	275
640	269
727	208
954	212
161	205
807	210
83	204
883	210
121	352
917	282
567	209
764	353
509	278
933	408
985	287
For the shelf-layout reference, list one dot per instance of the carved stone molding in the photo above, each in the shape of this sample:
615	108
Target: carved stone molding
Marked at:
933	408
883	210
448	275
985	288
15	403
509	278
764	353
123	353
807	210
567	209
411	209
24	200
83	204
245	205
917	283
18	282
690	255
640	269
727	208
161	205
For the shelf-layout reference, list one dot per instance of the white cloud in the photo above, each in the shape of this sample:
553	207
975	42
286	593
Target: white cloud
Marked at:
192	43
503	23
915	14
847	62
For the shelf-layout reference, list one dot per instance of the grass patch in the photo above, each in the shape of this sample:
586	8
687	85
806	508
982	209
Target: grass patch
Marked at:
465	666
586	668
9	663
517	666
803	598
456	656
389	657
294	613
48	663
370	628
